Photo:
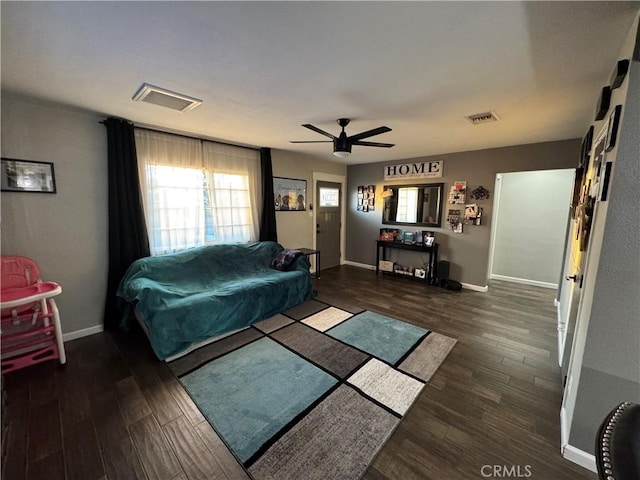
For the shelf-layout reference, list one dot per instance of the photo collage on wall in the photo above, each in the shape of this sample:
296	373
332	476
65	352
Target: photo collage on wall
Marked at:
366	198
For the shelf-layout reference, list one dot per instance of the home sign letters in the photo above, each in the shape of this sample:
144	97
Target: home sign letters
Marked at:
413	170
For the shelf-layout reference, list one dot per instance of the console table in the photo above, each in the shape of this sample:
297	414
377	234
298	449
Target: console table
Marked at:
433	255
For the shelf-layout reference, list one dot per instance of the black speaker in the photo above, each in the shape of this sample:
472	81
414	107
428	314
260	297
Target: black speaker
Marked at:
443	272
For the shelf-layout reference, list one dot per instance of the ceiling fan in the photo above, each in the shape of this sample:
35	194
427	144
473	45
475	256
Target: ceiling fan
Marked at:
342	144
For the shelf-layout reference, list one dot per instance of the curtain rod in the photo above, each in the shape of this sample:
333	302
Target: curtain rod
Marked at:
152	128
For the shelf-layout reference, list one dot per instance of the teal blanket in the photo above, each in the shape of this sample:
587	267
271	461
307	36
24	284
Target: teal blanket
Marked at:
193	295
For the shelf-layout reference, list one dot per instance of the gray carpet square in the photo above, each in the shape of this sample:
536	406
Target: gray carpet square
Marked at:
214	350
274	323
387	385
428	356
305	309
336	441
335	356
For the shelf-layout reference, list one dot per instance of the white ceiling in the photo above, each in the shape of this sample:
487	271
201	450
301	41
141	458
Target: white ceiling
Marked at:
264	68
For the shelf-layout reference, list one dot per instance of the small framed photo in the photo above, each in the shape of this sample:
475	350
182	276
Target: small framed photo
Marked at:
612	131
428	238
27	176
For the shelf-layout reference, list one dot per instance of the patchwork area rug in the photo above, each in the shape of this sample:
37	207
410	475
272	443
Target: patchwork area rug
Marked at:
313	393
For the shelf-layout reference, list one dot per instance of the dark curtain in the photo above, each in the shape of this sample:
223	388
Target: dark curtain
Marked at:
128	240
268	229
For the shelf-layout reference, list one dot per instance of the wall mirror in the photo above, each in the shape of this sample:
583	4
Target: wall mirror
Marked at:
413	204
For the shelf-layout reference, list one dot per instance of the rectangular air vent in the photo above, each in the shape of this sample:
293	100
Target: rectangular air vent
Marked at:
483	117
165	98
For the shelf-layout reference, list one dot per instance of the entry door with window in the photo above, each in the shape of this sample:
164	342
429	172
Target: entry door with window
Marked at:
328	223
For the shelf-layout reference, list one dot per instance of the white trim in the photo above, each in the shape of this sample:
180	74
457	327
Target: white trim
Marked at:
83	332
467	286
494	224
475	288
564	429
342	180
562	332
577	456
360	265
524	281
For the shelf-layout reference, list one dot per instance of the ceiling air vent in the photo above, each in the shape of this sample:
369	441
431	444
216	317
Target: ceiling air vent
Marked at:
165	98
484	117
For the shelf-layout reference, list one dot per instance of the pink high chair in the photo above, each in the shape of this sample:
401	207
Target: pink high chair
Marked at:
30	324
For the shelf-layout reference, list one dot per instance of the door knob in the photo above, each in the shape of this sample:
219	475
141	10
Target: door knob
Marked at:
572	277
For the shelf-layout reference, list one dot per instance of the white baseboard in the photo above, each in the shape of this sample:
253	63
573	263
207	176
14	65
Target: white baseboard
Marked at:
577	456
475	288
85	332
359	265
468	286
525	281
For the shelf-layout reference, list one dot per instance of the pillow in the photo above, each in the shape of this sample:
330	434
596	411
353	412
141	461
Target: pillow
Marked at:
285	259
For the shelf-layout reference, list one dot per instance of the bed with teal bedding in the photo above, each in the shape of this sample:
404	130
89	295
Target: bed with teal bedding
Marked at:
190	296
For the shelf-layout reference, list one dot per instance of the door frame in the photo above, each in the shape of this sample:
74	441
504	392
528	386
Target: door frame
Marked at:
342	180
590	273
494	222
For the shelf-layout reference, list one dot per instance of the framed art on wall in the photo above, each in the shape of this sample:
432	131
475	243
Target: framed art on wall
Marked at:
290	194
612	130
27	176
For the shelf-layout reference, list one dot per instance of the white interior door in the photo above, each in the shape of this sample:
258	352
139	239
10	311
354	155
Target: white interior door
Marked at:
580	249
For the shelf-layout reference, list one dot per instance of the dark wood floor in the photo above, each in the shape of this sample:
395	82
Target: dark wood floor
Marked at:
115	412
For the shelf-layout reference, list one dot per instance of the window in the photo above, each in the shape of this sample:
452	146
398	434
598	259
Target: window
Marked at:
196	192
176	204
329	197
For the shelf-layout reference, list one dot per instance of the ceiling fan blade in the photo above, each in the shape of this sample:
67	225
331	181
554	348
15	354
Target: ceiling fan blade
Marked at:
310	141
369	133
321	132
374	144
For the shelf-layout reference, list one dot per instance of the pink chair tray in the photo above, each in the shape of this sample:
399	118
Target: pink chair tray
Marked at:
12	297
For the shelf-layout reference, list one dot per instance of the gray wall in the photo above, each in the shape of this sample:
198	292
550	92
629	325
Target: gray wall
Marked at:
468	252
611	363
295	229
65	233
531	224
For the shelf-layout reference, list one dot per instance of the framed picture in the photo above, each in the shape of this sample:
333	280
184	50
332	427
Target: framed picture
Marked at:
428	238
586	148
27	176
366	198
290	194
612	131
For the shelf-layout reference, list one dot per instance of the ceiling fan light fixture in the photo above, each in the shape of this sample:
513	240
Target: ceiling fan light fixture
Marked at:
343	143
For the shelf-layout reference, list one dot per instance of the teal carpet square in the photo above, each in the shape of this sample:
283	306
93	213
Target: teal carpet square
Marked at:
381	336
251	393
